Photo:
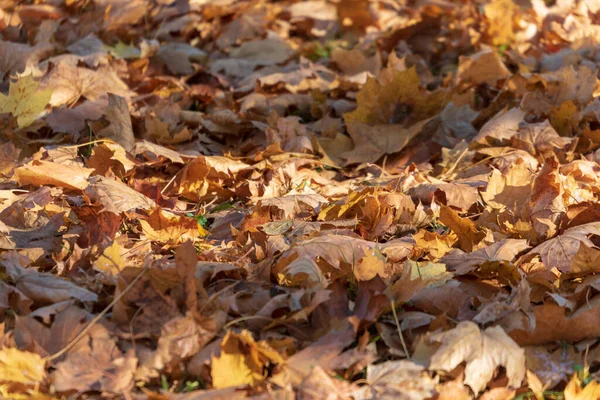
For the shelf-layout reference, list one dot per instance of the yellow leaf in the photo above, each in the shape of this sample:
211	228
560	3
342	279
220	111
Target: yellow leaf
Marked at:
536	385
242	360
21	366
110	262
500	16
232	370
433	243
465	229
371	265
24	101
565	118
42	173
6	393
573	391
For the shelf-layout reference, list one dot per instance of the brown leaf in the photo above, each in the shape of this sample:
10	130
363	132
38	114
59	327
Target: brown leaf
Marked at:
95	364
552	324
505	250
483	351
70	82
117	197
468	234
320	352
483	67
120	129
558	252
396	380
373	141
42	287
40	173
185	262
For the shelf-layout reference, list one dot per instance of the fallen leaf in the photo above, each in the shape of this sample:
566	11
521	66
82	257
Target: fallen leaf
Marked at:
468	234
373	141
40	173
396	380
483	351
483	67
574	391
43	287
25	101
505	250
242	361
558	252
21	366
116	197
110	261
120	129
96	364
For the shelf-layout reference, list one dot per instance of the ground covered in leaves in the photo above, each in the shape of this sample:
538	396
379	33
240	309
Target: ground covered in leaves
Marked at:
324	199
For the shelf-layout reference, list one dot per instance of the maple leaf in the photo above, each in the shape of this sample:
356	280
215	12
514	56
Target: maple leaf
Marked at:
242	360
468	234
500	14
504	250
483	351
380	103
560	250
373	141
400	379
25	101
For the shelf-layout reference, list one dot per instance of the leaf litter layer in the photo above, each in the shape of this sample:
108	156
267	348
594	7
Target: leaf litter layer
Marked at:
323	199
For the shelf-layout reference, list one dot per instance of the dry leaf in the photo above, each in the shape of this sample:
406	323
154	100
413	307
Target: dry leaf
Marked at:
25	102
21	366
242	361
483	351
468	234
39	173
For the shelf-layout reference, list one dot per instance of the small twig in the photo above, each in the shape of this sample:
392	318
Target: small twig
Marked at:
96	318
399	329
168	184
